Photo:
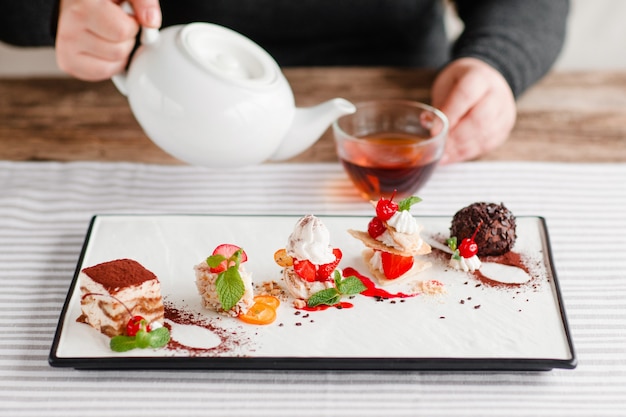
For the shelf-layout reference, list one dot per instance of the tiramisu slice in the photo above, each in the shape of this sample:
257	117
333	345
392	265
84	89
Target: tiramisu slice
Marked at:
116	291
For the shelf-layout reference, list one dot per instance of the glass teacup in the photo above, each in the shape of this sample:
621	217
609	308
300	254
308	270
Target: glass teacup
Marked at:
390	146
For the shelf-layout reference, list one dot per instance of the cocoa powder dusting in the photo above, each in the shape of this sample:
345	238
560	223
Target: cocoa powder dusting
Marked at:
510	258
117	274
230	341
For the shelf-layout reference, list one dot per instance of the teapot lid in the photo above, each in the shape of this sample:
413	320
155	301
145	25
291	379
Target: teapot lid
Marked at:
229	55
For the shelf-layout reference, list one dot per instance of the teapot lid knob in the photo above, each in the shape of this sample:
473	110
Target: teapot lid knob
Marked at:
229	55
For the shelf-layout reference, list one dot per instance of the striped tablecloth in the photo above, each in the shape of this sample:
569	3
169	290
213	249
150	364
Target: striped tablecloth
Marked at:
45	209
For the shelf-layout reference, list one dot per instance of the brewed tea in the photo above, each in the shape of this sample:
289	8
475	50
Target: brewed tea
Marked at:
380	163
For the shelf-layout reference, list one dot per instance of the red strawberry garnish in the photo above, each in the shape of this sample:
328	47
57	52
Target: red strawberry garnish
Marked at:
305	269
385	209
325	271
135	324
227	250
309	272
376	227
395	265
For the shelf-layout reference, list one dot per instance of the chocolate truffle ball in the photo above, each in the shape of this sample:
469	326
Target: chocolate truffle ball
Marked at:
496	235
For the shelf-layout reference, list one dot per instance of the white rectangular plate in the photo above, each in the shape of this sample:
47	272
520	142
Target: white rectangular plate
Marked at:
473	325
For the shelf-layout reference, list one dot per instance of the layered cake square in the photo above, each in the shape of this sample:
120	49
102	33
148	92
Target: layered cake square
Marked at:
113	292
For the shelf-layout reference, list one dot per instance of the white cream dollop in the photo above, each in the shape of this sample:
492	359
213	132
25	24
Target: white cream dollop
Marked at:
403	222
386	238
465	264
310	240
155	325
376	261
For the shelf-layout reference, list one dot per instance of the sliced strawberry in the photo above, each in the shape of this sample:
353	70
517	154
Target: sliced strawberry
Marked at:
305	269
227	250
395	265
324	271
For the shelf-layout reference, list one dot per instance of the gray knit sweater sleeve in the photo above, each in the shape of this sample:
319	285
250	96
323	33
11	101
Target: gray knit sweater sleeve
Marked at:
520	38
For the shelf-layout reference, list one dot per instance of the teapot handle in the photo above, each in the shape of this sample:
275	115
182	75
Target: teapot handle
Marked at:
148	36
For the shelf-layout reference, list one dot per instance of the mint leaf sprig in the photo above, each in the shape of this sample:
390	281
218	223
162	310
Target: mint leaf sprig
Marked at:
408	202
144	339
452	244
343	287
229	284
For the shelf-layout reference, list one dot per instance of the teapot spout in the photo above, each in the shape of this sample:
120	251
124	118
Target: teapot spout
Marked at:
309	124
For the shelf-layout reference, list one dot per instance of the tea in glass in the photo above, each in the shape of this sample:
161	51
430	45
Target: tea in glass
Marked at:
391	145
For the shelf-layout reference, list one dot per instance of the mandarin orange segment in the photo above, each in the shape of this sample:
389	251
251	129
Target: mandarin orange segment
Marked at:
270	300
259	313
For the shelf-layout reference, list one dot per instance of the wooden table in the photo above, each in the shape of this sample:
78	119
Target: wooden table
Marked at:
565	117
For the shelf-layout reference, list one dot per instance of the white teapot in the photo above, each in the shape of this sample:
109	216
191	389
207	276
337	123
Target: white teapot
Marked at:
209	96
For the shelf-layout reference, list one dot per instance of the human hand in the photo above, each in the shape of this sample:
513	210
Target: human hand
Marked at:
480	107
95	37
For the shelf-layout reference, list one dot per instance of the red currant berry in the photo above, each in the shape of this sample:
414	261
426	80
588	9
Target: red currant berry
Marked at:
376	227
468	248
135	324
385	209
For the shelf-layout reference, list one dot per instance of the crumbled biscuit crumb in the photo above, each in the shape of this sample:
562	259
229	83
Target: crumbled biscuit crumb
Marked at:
431	287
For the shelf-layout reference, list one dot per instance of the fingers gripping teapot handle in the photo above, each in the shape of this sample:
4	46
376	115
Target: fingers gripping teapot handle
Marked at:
148	36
